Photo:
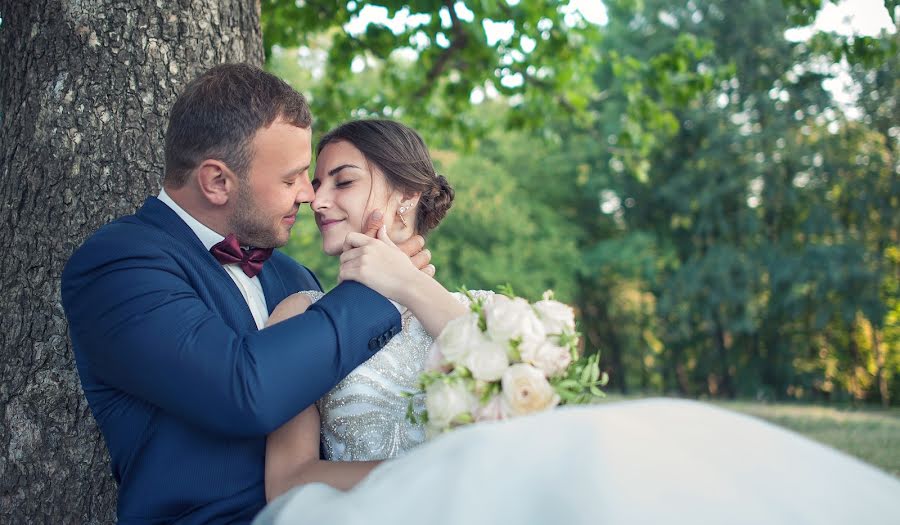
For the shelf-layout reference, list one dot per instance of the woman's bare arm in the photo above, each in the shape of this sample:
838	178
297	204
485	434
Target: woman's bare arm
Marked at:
292	458
292	451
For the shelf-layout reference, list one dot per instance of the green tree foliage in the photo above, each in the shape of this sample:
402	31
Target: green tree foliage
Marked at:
723	225
425	66
769	209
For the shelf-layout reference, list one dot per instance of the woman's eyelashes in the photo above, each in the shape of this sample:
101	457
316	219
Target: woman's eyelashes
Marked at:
343	183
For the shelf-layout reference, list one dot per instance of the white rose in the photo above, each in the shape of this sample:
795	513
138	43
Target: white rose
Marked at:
458	337
445	402
494	410
487	360
549	358
526	390
556	316
514	318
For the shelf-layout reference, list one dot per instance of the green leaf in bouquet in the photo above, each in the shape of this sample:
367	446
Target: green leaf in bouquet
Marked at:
507	290
568	339
476	304
514	354
586	373
463	419
568	384
597	392
460	373
411	412
490	389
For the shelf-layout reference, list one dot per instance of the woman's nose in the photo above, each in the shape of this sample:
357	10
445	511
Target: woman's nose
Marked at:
320	200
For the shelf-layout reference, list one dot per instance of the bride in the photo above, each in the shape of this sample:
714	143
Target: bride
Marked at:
622	463
362	166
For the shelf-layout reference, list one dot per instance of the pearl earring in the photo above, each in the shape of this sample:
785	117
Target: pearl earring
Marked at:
403	209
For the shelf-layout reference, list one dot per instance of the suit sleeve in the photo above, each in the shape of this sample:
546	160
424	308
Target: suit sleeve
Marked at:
143	329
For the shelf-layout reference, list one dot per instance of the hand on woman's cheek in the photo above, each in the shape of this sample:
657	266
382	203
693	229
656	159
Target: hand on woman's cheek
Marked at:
378	263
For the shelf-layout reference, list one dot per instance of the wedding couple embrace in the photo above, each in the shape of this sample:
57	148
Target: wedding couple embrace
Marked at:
222	378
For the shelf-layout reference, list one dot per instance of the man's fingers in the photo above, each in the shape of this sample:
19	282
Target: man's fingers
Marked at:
429	270
421	259
412	246
383	237
355	240
373	223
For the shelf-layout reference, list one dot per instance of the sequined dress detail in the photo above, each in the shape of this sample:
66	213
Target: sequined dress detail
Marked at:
364	417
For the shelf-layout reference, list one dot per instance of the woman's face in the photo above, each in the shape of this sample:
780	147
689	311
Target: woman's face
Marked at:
347	190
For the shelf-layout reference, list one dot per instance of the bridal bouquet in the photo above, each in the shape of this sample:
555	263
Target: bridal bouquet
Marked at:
505	358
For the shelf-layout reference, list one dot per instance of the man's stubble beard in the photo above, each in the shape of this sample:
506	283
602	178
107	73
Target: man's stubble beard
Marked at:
249	223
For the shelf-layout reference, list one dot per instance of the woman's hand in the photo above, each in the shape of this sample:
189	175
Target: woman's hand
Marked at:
379	264
294	304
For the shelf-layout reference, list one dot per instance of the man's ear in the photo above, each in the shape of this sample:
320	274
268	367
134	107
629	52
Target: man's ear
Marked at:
215	181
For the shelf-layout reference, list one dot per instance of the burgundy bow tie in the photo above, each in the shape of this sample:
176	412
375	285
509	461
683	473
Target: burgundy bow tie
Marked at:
230	252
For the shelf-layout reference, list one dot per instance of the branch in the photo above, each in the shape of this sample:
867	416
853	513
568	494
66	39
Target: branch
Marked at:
460	40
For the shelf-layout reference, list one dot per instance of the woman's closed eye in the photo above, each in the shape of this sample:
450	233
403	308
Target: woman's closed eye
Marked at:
344	183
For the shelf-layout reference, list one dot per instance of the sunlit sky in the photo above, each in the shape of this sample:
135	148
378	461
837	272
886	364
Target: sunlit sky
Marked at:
860	17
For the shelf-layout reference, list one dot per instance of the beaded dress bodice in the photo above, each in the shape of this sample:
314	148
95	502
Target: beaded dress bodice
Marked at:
364	416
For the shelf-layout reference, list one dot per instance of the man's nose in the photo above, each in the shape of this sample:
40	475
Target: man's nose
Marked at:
305	193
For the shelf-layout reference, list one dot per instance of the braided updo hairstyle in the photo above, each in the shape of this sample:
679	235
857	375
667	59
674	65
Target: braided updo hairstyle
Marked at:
402	157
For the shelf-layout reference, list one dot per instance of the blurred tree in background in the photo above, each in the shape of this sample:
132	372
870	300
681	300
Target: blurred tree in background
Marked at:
724	224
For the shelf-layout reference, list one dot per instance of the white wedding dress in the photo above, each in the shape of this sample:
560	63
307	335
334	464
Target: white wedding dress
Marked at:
364	417
626	463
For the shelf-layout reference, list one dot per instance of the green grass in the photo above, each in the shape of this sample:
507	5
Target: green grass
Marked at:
872	435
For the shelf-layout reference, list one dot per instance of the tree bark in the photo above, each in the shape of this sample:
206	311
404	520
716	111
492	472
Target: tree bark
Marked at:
85	92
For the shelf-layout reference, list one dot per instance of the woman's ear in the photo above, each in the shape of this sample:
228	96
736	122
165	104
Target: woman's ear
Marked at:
215	181
412	198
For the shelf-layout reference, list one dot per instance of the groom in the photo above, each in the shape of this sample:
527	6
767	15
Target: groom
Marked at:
166	308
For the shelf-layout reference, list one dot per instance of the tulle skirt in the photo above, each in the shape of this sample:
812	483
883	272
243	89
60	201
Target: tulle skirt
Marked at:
657	461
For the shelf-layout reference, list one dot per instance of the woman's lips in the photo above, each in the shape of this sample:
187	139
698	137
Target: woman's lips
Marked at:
325	224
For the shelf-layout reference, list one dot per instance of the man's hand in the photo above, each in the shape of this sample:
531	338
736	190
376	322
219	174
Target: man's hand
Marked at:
414	247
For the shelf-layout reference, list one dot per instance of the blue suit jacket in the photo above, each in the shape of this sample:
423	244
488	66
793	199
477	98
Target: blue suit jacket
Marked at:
182	384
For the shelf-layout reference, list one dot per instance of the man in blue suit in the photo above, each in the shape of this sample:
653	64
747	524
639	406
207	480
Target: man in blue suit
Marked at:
166	308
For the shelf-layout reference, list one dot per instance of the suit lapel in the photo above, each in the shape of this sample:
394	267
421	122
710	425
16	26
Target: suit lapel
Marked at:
156	213
272	285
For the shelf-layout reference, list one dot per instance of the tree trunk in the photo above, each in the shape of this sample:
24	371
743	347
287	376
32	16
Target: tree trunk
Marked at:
722	351
84	98
884	390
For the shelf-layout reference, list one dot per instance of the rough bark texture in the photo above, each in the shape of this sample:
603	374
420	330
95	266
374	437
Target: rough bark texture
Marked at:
85	88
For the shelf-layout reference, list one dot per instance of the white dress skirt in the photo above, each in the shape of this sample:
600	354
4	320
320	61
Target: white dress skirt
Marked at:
658	461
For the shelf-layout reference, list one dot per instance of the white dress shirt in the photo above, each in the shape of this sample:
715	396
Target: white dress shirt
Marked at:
250	288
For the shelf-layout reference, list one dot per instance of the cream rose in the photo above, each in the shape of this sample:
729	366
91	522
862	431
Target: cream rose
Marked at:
458	337
556	316
514	319
486	359
445	402
526	390
549	358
